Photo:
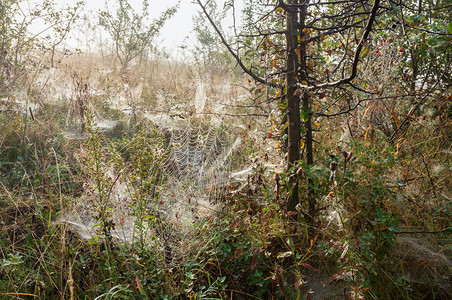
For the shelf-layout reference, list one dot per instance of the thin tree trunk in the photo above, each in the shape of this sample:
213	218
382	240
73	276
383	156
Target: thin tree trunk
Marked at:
307	109
293	100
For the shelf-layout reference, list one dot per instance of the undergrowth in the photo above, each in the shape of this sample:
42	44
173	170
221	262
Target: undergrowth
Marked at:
381	230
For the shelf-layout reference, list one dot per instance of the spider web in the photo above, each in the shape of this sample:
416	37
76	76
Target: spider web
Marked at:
197	171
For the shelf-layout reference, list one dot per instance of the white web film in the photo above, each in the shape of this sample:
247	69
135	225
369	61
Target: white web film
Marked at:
197	170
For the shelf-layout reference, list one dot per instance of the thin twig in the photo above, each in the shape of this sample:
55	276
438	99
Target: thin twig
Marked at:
425	231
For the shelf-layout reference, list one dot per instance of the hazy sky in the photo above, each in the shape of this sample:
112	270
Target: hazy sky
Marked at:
175	30
173	33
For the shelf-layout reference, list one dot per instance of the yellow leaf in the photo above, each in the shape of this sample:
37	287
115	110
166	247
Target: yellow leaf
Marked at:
365	112
367	131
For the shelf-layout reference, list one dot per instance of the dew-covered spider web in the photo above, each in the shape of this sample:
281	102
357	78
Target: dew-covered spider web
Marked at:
195	176
197	171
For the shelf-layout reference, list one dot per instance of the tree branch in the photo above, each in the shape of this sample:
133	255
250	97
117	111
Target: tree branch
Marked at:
348	79
236	57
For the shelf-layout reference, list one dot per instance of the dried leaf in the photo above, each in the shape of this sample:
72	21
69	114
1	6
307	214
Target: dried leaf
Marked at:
332	278
255	256
306	265
396	119
138	284
285	254
292	213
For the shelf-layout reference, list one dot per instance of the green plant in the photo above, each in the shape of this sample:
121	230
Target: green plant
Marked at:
369	199
145	157
97	165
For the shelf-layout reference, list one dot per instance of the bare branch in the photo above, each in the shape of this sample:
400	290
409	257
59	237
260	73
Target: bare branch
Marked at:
235	55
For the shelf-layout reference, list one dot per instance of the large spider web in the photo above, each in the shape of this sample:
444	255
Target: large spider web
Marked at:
197	171
196	175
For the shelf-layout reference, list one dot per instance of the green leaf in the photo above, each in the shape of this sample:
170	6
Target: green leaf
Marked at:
304	114
258	273
395	7
191	276
302	131
249	52
394	229
416	19
432	41
449	27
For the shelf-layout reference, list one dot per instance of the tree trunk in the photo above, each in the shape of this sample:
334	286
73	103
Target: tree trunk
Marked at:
307	109
293	100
